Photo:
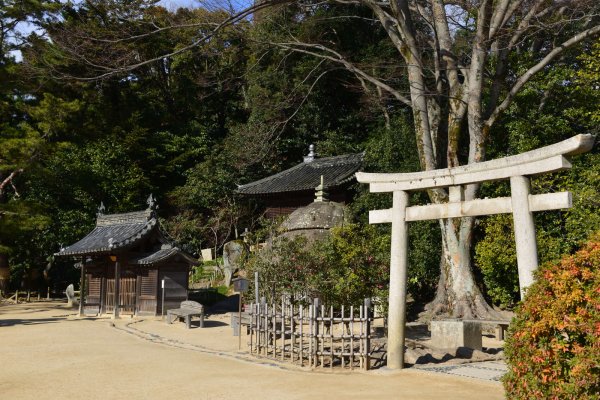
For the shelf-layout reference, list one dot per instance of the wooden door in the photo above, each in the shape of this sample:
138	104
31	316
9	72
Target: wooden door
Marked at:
109	292
127	291
148	291
93	293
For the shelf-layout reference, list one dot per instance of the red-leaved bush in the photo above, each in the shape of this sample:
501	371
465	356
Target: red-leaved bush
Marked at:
553	349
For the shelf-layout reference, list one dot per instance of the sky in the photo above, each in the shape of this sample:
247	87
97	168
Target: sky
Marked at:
175	4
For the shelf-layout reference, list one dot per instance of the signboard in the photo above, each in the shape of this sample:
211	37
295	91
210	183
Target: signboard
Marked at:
240	285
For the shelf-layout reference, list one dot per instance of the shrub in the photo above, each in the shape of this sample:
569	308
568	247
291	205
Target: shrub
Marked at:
343	269
553	351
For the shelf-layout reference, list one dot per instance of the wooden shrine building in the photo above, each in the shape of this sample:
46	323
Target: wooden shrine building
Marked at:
293	188
132	248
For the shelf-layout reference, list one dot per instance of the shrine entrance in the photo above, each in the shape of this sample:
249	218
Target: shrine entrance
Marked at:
521	204
127	291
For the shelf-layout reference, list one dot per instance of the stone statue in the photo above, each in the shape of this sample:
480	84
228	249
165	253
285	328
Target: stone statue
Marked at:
71	299
233	254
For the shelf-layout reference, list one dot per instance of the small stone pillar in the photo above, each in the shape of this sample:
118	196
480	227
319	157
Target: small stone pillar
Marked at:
455	333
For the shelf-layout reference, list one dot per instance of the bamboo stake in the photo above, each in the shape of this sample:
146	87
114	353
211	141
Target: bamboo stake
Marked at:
361	339
268	327
251	326
331	336
368	334
311	316
282	329
352	337
293	333
323	335
274	331
343	344
301	336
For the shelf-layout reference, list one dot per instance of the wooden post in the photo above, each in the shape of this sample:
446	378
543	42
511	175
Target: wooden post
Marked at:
368	335
117	288
527	260
282	334
48	293
256	286
81	290
351	337
397	291
322	335
311	334
17	297
361	341
342	352
240	323
316	304
301	335
331	349
251	325
274	329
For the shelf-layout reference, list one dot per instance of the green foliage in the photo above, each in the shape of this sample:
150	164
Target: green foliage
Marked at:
553	351
343	269
496	256
197	274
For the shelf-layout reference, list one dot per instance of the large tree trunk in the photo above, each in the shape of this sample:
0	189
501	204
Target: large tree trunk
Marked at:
457	294
4	272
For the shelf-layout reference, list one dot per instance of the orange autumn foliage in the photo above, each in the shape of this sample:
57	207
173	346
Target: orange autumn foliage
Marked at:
553	349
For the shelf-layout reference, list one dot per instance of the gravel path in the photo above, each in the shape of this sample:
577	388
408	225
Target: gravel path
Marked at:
47	352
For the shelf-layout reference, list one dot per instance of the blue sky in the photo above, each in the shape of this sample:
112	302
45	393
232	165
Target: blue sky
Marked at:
174	4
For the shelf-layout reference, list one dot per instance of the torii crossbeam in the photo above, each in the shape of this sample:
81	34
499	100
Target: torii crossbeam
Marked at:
521	204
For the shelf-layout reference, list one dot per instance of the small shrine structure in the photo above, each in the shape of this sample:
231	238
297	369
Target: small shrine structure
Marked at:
293	188
521	204
152	273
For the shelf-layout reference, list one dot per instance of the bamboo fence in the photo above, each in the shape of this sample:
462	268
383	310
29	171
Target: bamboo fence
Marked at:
313	336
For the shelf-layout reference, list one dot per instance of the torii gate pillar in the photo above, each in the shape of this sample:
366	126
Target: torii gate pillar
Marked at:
526	244
398	274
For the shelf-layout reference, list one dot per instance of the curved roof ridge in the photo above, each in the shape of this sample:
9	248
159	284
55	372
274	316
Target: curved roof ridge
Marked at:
124	218
113	232
336	170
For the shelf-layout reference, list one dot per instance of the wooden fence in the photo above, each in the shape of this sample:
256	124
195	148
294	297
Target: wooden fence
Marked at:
312	335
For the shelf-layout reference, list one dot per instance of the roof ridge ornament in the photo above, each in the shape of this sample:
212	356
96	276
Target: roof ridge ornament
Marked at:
151	201
311	154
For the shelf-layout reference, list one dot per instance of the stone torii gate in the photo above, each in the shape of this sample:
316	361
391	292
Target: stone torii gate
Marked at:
521	204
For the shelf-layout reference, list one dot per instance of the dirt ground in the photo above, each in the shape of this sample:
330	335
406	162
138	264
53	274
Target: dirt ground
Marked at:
47	352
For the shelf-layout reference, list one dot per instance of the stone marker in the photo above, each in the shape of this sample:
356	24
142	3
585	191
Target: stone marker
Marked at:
232	257
207	254
71	299
454	333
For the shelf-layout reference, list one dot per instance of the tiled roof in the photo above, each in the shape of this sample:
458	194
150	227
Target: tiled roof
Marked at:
161	255
113	232
307	176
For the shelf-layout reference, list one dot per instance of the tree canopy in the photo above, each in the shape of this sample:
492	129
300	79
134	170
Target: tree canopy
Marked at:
109	101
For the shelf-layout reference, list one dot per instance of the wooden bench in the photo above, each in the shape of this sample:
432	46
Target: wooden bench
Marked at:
501	326
187	310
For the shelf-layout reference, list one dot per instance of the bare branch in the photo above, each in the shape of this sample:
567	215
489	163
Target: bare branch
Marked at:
338	58
536	68
9	181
